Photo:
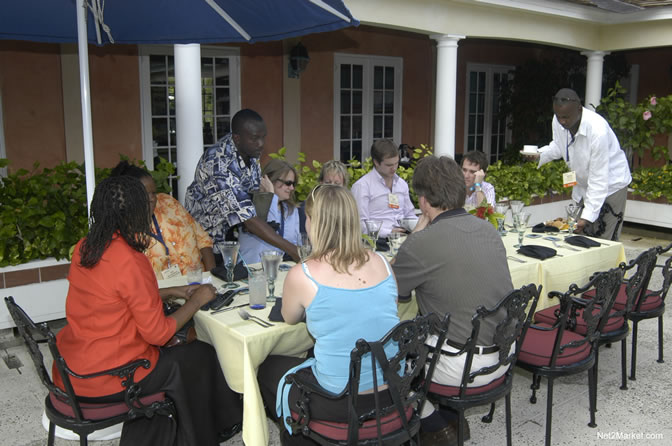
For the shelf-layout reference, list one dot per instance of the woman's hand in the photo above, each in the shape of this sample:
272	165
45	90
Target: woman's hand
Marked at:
266	184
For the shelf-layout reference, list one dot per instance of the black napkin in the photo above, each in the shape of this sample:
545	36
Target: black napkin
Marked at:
537	251
581	241
381	245
276	312
239	272
541	227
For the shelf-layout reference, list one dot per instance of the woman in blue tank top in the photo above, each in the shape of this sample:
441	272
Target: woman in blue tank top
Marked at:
345	292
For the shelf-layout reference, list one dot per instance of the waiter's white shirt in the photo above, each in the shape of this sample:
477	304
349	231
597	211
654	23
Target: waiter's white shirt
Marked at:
595	155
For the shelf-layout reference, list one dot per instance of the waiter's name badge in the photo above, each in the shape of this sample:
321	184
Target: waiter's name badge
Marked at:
569	179
173	271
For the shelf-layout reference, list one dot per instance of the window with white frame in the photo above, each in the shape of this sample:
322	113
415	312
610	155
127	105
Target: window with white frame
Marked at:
484	127
367	103
220	77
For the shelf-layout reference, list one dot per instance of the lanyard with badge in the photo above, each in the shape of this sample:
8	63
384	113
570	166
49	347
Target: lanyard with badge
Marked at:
569	178
172	270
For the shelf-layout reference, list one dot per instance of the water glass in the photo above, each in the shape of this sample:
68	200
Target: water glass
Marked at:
257	285
305	248
520	221
194	275
372	230
395	239
229	252
517	206
270	261
573	209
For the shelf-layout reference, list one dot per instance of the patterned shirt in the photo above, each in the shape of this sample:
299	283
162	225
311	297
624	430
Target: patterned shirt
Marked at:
183	238
221	195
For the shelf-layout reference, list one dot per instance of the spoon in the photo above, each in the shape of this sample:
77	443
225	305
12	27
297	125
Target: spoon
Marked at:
248	317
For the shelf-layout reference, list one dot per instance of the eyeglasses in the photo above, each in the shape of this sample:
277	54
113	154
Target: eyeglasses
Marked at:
287	182
562	101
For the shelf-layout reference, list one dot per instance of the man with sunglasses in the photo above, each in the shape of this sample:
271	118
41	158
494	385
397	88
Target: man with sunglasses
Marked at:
599	170
220	197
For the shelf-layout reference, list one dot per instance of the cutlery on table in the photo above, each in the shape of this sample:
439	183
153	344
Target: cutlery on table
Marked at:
248	317
221	310
558	245
516	259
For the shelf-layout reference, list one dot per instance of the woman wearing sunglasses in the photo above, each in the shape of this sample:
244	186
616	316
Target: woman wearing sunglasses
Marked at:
283	215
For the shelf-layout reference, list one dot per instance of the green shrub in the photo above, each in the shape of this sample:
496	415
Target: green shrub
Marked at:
524	181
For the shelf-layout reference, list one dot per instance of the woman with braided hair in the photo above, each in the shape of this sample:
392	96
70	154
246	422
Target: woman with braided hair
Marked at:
115	316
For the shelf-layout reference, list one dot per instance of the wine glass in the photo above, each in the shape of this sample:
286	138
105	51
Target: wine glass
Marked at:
520	221
573	209
501	208
229	252
270	261
372	229
517	206
305	248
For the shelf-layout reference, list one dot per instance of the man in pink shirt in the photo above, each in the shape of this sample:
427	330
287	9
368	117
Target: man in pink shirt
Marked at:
381	194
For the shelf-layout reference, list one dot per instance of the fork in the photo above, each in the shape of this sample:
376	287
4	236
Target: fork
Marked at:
248	317
516	259
558	245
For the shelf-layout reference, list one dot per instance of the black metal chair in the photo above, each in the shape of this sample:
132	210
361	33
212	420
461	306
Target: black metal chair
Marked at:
553	351
391	425
616	327
651	305
519	306
63	407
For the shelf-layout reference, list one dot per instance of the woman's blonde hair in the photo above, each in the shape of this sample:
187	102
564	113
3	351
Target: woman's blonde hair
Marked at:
276	169
335	231
335	166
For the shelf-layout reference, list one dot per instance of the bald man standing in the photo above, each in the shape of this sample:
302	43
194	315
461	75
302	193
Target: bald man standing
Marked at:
599	169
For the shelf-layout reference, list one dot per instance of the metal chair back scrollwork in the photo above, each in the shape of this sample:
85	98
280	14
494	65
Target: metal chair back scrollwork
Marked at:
62	406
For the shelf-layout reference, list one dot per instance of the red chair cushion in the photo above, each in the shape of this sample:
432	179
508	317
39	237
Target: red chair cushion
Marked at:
440	389
650	304
100	411
339	431
547	316
538	347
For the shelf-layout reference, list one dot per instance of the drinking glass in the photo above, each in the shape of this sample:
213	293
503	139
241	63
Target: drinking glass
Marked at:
305	248
257	284
194	275
517	206
573	209
270	261
229	252
520	221
395	240
501	208
372	229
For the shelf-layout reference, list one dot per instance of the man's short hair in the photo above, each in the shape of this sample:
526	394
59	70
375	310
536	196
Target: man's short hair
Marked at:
477	157
243	117
440	181
382	149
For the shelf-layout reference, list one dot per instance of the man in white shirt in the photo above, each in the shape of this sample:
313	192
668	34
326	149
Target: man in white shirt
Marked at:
590	148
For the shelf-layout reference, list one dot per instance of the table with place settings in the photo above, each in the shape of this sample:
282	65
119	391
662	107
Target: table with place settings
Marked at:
242	345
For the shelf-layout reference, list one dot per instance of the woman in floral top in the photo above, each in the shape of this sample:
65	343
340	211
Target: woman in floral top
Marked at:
177	239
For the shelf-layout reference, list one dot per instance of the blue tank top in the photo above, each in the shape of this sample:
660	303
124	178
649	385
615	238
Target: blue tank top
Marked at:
337	318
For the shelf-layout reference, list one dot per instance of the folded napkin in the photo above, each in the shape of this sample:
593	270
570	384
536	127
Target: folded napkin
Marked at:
581	241
276	312
537	251
541	227
239	272
381	245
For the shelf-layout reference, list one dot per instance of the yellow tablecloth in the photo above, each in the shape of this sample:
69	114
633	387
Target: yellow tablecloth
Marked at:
242	346
554	274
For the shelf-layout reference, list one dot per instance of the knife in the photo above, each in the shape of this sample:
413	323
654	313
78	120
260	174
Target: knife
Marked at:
221	310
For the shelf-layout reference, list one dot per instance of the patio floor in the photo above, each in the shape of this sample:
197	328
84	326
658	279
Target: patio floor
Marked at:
635	414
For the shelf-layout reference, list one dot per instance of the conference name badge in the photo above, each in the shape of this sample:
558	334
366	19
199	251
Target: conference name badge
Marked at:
569	179
392	201
173	271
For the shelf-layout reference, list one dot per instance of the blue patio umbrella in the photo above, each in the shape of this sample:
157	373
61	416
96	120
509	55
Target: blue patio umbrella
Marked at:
161	22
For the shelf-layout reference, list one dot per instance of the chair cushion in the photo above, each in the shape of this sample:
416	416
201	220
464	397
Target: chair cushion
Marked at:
538	347
547	316
440	389
339	431
100	411
650	304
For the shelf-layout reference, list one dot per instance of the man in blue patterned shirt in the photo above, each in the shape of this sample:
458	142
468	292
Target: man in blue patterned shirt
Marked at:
220	196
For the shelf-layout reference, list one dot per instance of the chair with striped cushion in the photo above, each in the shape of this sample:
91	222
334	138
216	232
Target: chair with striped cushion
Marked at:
63	408
617	327
391	425
553	351
513	315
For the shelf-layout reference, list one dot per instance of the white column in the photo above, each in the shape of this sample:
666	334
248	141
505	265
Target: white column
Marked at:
446	91
594	78
189	113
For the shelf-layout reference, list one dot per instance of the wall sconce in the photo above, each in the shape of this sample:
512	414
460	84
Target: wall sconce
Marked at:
298	61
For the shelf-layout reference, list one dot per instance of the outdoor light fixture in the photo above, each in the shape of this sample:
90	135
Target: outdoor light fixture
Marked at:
298	61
